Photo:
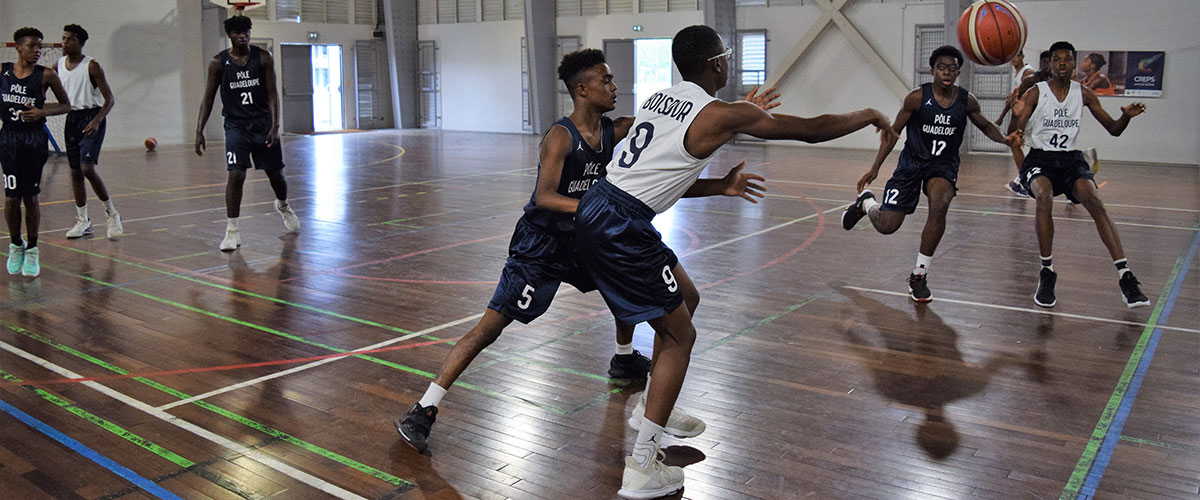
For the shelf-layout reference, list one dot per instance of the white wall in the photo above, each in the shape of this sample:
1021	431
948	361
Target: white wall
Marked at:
480	74
151	54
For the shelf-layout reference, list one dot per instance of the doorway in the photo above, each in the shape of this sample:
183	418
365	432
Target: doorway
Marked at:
312	88
640	68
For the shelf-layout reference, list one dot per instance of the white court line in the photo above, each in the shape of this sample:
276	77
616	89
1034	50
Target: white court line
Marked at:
1000	196
229	444
315	364
1031	310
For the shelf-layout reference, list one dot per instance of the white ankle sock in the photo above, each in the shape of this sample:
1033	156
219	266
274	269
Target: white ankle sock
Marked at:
923	262
624	348
281	204
433	395
869	203
231	223
649	440
81	212
108	206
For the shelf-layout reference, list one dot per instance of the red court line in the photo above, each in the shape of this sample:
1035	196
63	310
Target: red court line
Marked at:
238	366
405	256
781	258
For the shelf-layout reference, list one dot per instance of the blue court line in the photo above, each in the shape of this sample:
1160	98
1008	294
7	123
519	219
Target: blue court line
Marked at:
91	454
1114	432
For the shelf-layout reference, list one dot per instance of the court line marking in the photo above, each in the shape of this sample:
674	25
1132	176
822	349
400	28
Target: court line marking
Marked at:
1029	310
256	455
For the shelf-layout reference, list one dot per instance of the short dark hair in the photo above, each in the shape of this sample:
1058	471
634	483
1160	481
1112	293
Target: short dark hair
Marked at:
575	63
26	31
239	24
692	46
1057	46
945	51
1097	60
78	31
1045	54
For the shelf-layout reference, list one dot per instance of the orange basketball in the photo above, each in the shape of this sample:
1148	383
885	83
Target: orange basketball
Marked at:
991	32
151	143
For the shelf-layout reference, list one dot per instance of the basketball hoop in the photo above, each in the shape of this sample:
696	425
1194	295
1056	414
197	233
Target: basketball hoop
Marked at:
239	7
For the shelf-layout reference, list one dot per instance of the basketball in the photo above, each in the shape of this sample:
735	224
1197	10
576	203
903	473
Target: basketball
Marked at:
151	143
991	32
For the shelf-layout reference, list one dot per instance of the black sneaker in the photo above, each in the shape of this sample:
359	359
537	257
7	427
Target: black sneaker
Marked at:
629	366
414	427
1131	292
918	290
855	211
1017	188
1045	291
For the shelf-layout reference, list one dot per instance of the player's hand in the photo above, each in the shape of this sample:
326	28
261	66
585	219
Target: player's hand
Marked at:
1133	109
272	136
1015	139
200	146
738	184
34	114
766	101
91	128
866	179
884	126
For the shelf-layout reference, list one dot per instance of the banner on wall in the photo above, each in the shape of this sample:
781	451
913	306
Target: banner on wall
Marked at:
1121	73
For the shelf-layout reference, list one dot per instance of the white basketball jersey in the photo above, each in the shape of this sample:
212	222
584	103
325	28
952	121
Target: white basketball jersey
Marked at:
653	166
1016	81
78	84
1053	125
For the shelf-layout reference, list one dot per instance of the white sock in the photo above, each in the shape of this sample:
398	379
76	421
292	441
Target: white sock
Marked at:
433	396
1122	267
649	439
625	348
923	262
1048	262
81	213
869	203
281	204
108	206
231	223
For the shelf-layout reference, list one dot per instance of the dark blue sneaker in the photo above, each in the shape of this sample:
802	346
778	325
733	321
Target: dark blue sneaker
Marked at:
855	211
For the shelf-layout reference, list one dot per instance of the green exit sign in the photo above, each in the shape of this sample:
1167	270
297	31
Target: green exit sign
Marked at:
637	27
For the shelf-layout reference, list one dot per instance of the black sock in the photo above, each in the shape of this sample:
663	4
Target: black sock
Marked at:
16	240
32	243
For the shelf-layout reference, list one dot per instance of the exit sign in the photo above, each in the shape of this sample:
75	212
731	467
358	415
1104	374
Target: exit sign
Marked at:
637	27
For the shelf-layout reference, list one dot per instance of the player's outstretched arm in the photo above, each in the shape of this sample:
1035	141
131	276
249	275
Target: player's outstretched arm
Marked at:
49	81
96	73
206	104
911	103
1114	127
735	183
268	63
767	100
551	155
975	113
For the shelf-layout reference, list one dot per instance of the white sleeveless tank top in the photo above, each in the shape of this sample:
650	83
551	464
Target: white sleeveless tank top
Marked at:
78	84
1053	125
1016	79
652	165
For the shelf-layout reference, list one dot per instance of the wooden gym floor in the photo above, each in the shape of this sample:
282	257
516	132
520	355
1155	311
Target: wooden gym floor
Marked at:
156	366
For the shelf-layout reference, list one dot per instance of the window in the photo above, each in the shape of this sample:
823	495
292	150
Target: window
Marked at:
752	58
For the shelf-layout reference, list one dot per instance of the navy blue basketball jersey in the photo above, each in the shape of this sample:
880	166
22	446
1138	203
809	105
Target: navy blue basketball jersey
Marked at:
243	89
581	169
17	93
934	132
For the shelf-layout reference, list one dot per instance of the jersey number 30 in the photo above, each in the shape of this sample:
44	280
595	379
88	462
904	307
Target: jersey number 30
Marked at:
628	158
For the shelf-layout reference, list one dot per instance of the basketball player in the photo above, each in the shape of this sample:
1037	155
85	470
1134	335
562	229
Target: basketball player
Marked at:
91	100
24	144
1050	112
250	106
573	156
675	132
1021	71
935	116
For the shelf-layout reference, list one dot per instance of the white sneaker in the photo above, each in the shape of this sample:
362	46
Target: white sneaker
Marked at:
115	228
679	424
232	240
16	258
657	480
81	228
290	221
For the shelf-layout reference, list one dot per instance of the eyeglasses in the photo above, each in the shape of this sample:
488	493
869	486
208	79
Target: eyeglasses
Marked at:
728	54
946	67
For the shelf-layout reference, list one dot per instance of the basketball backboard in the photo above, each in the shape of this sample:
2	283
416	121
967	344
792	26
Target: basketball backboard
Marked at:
239	4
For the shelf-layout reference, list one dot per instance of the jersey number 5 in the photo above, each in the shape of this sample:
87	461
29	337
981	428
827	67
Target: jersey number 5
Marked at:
628	158
247	98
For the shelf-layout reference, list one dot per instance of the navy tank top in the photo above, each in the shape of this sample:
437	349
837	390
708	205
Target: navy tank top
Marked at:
17	93
934	132
243	89
582	168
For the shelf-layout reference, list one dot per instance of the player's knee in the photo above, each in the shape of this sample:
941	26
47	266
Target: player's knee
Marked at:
237	176
87	170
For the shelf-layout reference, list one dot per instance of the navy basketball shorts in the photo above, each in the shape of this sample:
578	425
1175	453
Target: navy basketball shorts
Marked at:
83	148
23	154
1063	168
246	140
538	261
911	178
626	255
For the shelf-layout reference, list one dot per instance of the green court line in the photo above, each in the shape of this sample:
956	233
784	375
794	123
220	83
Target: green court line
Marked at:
283	436
1079	475
1159	444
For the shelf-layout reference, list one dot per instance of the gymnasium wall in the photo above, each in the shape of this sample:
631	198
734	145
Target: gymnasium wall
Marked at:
151	53
833	77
